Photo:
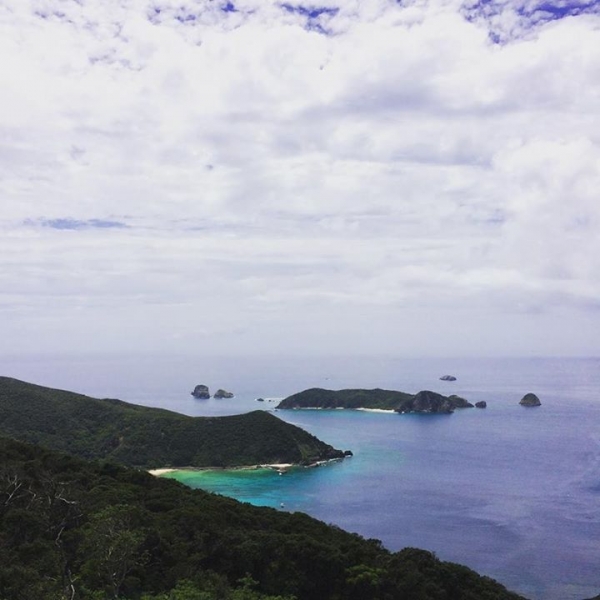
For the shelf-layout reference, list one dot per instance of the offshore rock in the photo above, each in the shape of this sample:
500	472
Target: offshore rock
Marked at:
201	392
448	378
223	394
530	400
481	404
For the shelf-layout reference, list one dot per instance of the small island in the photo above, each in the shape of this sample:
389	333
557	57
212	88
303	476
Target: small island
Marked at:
530	400
376	400
223	394
448	378
201	392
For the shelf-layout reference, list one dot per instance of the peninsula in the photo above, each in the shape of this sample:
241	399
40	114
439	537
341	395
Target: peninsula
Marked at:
150	438
377	399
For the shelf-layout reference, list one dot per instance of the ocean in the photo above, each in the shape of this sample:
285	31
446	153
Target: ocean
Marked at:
509	491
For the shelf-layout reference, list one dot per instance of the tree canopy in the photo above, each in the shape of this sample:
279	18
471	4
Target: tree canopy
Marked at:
150	437
81	530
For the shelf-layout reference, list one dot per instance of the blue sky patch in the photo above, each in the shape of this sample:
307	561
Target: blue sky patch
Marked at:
68	224
312	14
184	18
531	13
554	10
229	7
549	10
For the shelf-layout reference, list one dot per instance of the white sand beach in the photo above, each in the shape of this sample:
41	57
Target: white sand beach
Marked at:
159	472
275	466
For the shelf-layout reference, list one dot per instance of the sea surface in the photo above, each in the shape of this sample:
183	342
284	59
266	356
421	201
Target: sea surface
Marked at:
511	492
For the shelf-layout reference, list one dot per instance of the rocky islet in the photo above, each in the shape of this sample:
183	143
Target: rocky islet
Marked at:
202	392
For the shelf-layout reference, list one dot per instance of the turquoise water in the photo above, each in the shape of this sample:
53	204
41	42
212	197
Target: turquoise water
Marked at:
509	491
262	487
293	490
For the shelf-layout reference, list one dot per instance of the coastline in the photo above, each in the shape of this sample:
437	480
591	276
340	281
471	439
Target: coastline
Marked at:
279	467
373	410
159	472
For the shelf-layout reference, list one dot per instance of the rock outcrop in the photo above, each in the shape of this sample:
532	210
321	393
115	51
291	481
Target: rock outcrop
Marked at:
448	378
223	394
481	404
432	402
530	400
201	392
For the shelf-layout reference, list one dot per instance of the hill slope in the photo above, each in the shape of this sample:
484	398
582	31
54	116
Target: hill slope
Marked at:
149	437
87	531
401	402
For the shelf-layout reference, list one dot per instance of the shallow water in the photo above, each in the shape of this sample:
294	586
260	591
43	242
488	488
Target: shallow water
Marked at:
509	491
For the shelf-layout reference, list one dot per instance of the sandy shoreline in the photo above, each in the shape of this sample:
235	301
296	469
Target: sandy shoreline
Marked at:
279	467
373	410
159	472
274	466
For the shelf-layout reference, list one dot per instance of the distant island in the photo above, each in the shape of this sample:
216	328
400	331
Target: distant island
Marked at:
151	437
448	378
377	399
530	399
201	392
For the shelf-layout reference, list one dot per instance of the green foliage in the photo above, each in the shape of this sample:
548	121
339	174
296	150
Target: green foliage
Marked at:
354	398
149	437
112	543
401	402
321	398
77	530
187	590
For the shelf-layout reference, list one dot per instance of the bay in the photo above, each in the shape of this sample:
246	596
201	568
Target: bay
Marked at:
512	492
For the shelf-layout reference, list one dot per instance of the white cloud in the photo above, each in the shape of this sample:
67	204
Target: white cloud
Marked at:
398	176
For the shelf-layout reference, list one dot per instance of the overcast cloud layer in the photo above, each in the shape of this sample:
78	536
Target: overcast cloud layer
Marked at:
417	178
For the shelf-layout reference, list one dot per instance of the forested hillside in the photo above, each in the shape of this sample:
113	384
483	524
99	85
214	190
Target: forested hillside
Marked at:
79	530
150	437
400	402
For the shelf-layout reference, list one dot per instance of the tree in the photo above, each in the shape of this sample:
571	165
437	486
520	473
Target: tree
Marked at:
112	546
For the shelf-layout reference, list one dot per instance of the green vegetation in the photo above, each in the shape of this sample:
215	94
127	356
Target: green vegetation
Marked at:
81	530
320	398
423	402
149	437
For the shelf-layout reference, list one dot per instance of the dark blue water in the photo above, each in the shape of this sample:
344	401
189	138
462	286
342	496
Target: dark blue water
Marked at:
509	491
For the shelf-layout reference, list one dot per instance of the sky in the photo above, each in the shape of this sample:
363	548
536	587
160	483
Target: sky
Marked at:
411	178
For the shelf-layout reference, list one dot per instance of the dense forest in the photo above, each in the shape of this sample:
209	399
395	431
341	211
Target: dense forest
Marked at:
150	437
89	530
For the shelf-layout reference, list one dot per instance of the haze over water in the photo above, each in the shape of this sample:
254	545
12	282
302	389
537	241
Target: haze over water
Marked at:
509	491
